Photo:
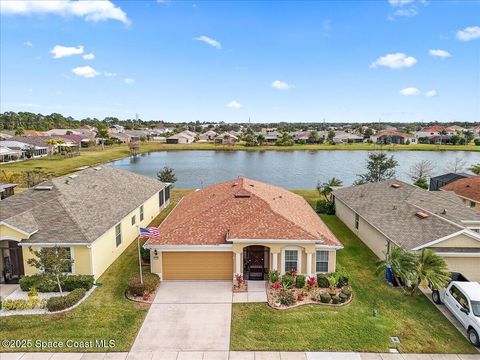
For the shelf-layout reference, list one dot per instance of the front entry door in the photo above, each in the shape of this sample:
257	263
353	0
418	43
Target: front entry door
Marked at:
255	259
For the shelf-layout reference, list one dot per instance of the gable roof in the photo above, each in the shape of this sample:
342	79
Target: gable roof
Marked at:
242	209
393	211
467	188
79	207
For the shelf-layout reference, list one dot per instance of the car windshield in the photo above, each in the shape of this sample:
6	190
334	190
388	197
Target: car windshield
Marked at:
476	308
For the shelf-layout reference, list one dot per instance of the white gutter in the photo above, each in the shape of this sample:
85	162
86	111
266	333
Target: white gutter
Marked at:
53	244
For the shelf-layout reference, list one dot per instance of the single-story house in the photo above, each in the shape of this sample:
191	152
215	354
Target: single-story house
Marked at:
226	139
429	131
208	135
28	150
7	154
244	227
184	137
436	182
393	136
93	212
467	189
300	135
396	214
344	137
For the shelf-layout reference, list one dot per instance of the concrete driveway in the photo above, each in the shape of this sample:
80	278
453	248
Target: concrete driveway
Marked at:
188	316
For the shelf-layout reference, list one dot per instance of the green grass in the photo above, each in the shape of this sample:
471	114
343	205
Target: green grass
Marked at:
106	314
92	156
419	325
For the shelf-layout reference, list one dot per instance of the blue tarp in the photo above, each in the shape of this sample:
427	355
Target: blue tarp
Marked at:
389	274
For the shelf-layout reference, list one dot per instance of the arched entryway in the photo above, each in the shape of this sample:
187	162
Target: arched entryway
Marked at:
11	262
256	259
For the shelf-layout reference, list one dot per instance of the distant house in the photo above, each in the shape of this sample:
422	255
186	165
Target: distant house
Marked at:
184	137
226	139
344	137
393	136
396	214
7	190
209	135
301	135
137	135
33	133
468	189
7	154
116	129
122	137
437	182
28	150
93	213
272	137
428	132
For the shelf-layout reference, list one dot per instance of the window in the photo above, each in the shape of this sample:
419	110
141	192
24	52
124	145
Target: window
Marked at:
291	260
141	213
357	219
167	193
118	235
160	198
459	297
134	220
472	204
321	261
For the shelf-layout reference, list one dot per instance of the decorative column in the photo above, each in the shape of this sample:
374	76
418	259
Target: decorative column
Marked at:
238	260
309	264
275	261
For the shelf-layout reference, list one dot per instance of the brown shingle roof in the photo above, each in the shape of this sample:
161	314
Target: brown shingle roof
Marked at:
468	188
242	209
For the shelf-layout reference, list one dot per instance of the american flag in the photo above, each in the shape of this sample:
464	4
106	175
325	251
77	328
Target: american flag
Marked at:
149	232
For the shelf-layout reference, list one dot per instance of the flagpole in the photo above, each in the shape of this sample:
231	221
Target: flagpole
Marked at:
139	255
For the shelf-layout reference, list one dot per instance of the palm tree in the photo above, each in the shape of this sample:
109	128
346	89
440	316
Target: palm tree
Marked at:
431	269
326	188
402	264
475	169
260	139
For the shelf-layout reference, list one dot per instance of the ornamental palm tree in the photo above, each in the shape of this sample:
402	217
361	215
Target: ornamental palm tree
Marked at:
326	188
431	269
402	264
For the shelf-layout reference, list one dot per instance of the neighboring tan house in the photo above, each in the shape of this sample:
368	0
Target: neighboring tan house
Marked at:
184	137
344	137
466	189
226	139
393	136
93	212
208	135
394	213
242	227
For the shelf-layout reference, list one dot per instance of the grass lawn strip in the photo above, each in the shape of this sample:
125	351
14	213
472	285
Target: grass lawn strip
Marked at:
106	314
419	325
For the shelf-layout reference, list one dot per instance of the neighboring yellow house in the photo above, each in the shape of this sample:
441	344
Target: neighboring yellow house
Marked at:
95	213
396	214
242	227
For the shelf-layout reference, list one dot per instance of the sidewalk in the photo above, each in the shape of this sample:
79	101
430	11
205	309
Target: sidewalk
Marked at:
233	355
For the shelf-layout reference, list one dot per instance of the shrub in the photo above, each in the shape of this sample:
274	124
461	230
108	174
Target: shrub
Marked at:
276	285
23	304
325	207
287	281
73	282
300	281
150	283
145	254
58	303
325	298
322	281
476	142
28	282
44	283
335	299
273	276
311	281
347	292
342	276
286	297
343	297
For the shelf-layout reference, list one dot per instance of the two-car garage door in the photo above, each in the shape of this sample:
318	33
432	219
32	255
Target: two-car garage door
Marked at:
197	265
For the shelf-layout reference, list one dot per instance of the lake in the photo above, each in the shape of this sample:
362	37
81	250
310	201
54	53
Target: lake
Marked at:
289	169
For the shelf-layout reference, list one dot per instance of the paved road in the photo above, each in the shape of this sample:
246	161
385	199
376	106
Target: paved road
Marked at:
188	316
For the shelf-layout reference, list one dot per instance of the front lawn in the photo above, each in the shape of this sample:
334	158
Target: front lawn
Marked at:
106	314
419	325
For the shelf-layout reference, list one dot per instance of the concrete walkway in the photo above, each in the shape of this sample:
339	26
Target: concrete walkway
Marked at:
233	355
257	292
187	316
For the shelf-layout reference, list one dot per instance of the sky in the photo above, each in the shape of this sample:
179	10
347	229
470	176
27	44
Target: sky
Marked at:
350	61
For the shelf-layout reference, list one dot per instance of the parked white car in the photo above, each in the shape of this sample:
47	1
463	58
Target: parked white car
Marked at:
462	298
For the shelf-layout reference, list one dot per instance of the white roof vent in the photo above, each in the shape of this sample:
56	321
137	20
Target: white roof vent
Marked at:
98	168
73	176
43	187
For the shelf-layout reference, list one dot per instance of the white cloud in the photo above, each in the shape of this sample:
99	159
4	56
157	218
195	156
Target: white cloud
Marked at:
89	56
90	10
400	2
234	104
431	93
408	12
410	91
394	61
60	51
209	41
281	85
85	71
109	74
439	53
469	33
28	43
128	81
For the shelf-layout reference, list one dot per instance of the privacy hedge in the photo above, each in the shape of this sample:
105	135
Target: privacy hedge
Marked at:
58	303
44	283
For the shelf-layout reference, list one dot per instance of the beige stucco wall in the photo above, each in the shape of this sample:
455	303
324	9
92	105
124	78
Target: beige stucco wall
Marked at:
468	266
104	249
461	240
375	240
7	233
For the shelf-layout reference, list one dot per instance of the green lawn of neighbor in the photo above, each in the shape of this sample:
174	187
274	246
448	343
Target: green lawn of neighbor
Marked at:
106	314
415	320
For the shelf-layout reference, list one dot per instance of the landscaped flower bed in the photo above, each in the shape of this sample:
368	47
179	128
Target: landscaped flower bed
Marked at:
239	284
291	290
142	292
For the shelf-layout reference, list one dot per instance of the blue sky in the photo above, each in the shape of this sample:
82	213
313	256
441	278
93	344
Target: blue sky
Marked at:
396	60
